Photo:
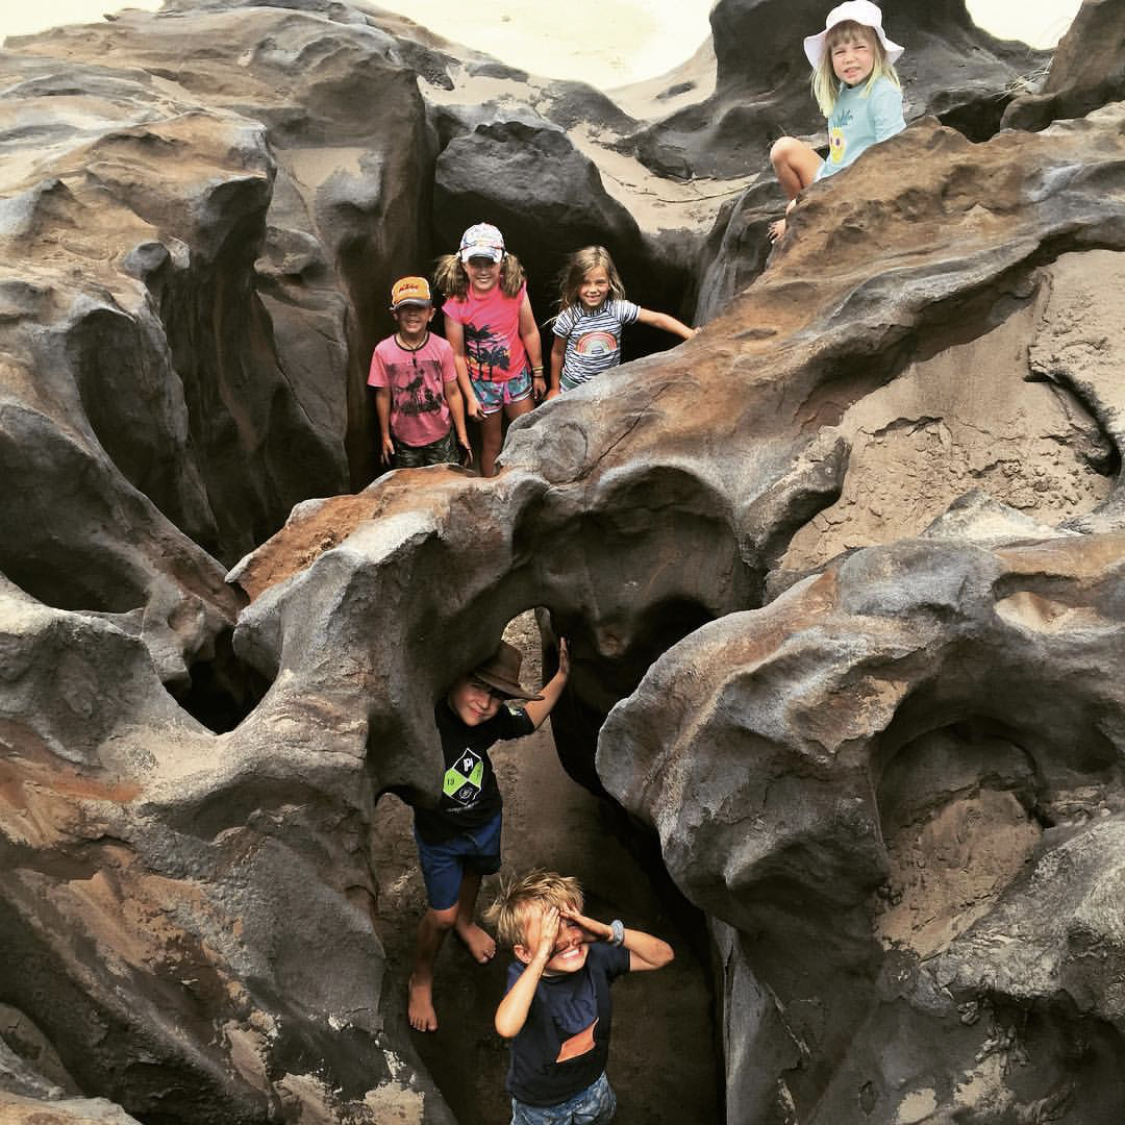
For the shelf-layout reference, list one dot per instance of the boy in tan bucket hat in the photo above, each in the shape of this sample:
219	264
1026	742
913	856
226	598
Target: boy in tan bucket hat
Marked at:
459	840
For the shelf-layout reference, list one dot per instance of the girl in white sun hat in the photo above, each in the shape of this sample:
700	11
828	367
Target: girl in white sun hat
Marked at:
855	85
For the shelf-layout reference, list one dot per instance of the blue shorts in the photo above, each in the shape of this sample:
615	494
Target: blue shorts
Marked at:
444	864
492	396
595	1105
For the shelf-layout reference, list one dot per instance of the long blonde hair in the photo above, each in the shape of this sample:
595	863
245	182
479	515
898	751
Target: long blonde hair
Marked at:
452	279
825	84
578	265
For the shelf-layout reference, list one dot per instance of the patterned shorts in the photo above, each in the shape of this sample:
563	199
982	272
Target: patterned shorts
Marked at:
444	451
492	396
595	1105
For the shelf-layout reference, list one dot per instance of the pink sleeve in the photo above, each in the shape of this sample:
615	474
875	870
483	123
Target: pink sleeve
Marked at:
377	376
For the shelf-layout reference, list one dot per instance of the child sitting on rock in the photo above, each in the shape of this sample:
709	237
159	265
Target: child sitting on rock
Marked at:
459	840
489	322
557	1010
857	89
594	311
417	399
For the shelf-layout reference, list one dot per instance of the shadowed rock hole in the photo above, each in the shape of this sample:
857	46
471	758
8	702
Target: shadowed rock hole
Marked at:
223	689
549	821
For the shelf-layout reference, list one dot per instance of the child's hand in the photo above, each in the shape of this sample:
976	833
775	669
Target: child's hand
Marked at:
538	388
564	658
387	450
554	392
548	934
592	930
466	453
472	408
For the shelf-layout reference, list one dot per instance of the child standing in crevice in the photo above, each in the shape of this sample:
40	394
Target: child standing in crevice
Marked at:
489	323
459	840
418	402
593	314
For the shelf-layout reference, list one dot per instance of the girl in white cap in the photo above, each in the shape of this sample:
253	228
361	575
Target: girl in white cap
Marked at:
490	325
856	87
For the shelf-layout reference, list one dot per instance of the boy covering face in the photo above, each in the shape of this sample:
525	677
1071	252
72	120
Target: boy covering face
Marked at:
558	1008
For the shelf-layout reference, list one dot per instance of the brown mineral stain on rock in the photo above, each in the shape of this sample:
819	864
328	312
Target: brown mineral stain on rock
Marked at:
319	525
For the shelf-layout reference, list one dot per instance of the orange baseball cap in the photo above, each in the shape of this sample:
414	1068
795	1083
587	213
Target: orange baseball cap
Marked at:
410	291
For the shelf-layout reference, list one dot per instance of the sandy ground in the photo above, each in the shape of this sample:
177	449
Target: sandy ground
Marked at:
663	1060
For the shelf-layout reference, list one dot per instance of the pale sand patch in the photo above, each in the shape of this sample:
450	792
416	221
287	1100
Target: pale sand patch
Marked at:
655	202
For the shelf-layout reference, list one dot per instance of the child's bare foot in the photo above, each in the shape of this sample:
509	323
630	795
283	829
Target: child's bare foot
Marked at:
480	945
420	1009
776	230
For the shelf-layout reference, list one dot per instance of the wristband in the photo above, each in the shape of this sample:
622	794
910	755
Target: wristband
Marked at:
617	932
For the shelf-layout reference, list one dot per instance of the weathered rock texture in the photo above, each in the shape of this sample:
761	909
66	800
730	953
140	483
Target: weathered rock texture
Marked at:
892	782
1087	70
895	788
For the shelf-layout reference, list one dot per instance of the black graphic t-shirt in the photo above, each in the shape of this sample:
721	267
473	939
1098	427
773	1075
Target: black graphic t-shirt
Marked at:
470	795
564	1043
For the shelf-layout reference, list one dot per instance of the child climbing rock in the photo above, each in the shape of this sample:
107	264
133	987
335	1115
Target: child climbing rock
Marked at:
594	312
459	840
489	323
857	89
417	399
557	1010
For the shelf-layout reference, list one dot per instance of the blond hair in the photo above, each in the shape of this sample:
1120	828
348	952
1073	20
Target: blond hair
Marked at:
452	279
825	84
578	265
533	893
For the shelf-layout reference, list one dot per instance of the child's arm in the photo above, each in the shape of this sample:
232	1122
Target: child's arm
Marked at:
537	710
645	951
529	334
558	353
456	403
455	334
512	1013
383	411
666	322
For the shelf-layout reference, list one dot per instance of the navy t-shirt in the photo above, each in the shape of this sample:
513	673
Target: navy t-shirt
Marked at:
470	796
564	1043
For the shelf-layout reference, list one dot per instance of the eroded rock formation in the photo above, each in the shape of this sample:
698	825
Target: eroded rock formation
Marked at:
844	571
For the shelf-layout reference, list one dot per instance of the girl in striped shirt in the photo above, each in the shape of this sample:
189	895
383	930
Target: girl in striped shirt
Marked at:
594	311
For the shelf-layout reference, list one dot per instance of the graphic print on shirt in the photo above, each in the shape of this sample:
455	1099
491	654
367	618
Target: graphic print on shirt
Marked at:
485	352
463	779
596	344
837	145
413	397
578	1044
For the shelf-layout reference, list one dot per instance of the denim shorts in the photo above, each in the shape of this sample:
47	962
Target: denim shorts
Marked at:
492	396
444	864
595	1105
444	451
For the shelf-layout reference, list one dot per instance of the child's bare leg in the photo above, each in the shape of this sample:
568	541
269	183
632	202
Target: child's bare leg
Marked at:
515	409
432	929
480	945
796	165
491	435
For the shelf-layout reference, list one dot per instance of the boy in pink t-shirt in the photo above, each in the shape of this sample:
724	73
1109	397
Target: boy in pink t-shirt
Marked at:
417	399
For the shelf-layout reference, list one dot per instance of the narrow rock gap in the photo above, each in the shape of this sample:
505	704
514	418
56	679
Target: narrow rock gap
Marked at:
665	1055
223	689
